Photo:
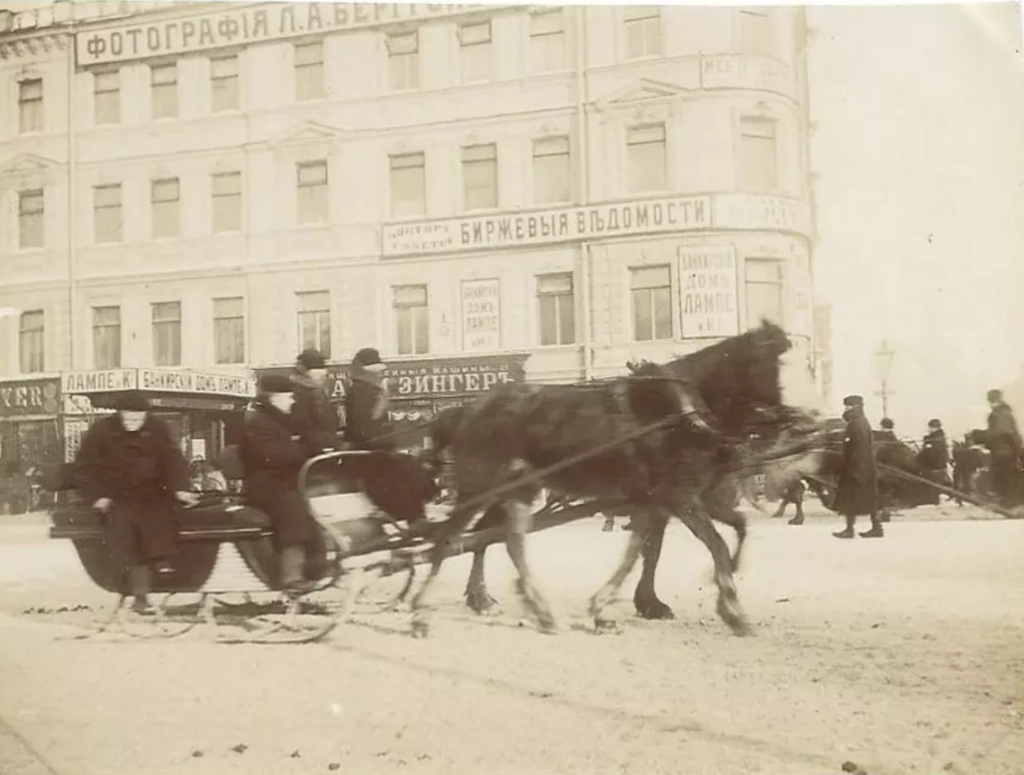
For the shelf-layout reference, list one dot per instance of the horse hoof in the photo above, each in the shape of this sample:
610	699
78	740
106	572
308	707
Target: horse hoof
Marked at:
607	627
654	609
552	626
732	615
481	602
420	630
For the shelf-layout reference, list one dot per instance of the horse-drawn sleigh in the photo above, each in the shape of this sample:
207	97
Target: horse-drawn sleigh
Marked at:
639	443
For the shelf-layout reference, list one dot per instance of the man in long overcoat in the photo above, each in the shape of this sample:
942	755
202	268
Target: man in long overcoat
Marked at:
315	417
1003	440
273	452
129	467
858	483
934	455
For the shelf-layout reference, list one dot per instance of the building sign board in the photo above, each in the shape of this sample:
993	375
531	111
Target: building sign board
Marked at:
710	291
157	381
481	315
245	25
763	212
29	397
538	227
737	71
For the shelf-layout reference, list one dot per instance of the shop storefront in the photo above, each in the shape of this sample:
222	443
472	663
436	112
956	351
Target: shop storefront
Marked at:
202	409
30	439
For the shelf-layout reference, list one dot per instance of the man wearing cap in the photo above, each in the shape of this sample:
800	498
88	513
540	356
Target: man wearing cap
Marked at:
129	468
366	403
887	435
1004	445
858	482
313	414
934	455
273	451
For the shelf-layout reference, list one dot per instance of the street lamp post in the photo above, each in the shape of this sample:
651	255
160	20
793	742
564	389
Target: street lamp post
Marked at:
883	359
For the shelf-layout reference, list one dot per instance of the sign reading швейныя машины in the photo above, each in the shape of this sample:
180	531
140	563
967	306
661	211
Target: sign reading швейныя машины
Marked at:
245	25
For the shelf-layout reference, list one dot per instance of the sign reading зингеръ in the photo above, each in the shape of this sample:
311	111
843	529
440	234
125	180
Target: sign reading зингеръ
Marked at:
710	292
245	25
564	224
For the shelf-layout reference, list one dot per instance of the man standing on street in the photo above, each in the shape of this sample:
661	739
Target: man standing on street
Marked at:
858	483
1004	445
934	457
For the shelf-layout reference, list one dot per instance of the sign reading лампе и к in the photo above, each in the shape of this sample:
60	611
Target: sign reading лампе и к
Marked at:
710	292
537	227
481	315
246	24
157	381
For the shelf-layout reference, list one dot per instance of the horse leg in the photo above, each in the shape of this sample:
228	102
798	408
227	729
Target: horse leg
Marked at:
729	608
606	595
734	519
519	522
477	596
645	598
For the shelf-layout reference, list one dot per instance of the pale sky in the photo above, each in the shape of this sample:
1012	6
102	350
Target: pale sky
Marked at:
919	151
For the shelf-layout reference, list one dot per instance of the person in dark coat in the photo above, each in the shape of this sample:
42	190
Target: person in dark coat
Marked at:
934	455
858	482
1003	440
313	413
273	451
129	468
397	484
887	435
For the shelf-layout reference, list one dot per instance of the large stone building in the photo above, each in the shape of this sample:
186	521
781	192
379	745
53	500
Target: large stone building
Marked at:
217	185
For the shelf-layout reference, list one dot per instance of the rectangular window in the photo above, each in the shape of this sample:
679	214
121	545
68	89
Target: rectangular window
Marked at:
226	190
167	333
31	218
404	61
229	330
475	52
557	307
547	40
764	287
646	157
309	71
166	207
164	91
31	342
643	31
107	209
314	318
408	185
106	337
224	84
106	94
552	171
30	105
757	162
479	177
313	193
756	31
651	289
412	321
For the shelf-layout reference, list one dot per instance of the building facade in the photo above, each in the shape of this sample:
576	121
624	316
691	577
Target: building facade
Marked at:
218	186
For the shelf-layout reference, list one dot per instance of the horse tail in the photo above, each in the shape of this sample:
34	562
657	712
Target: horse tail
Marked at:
443	433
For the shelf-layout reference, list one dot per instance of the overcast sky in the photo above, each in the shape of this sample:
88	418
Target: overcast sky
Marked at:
919	151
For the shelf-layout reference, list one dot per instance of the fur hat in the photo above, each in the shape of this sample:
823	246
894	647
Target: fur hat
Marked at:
995	394
276	383
935	423
853	401
368	356
311	358
132	401
887	424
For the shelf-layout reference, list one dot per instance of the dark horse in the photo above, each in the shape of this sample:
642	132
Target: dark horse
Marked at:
620	441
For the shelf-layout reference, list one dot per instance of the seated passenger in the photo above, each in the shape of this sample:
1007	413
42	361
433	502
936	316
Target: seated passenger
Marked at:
273	453
129	467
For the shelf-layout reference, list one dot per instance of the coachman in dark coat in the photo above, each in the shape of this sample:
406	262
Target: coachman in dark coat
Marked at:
934	455
1003	440
273	452
129	467
313	414
858	483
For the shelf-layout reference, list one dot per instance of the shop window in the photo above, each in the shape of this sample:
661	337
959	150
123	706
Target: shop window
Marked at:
408	185
106	337
314	320
412	322
164	91
107	214
165	199
547	40
646	157
167	333
313	192
32	342
480	177
764	290
476	52
758	154
557	308
651	289
229	330
643	31
224	94
309	71
552	170
106	94
30	105
226	193
403	61
31	219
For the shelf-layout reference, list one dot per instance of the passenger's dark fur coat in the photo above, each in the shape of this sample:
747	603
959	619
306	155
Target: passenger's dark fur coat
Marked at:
858	483
314	416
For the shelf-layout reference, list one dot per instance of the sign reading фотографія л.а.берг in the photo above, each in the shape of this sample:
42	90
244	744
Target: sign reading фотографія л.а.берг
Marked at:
709	292
481	315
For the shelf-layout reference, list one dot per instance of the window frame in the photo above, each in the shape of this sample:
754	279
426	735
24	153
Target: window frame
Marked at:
32	359
560	316
419	323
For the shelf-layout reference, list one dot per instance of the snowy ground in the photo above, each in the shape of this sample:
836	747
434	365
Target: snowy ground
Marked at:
900	655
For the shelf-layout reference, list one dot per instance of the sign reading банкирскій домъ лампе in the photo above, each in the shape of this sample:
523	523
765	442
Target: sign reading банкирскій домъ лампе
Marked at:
607	220
157	380
246	24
